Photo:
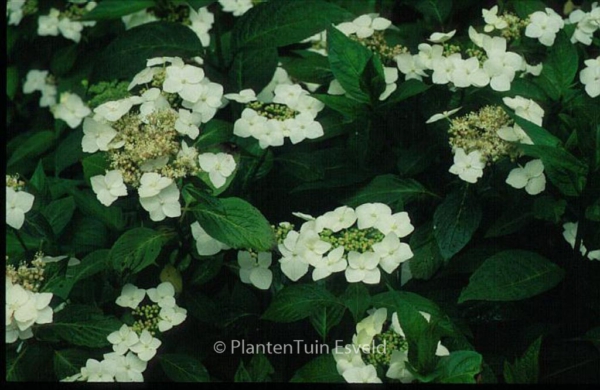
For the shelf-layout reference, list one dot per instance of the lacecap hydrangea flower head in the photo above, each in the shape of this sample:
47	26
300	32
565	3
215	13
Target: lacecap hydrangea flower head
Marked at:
147	136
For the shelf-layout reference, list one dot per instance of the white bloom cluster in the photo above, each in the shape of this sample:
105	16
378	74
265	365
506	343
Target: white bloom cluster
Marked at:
291	114
358	242
372	346
18	203
144	136
590	76
57	22
23	309
134	346
570	235
364	26
236	7
587	24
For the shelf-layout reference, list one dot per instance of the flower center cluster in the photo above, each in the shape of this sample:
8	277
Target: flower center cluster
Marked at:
377	44
478	131
14	182
281	231
147	318
392	342
29	277
275	111
353	239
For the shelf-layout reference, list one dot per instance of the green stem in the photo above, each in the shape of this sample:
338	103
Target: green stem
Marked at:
218	36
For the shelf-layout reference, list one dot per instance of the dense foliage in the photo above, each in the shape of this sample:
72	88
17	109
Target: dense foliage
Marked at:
306	191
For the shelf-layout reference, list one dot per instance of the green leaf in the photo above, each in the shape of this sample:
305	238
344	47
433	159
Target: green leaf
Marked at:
325	318
512	220
31	364
134	47
37	226
538	135
320	370
592	212
87	202
236	223
348	60
512	275
524	8
207	269
298	301
389	189
136	249
90	265
593	336
436	10
350	108
197	4
426	258
526	368
84	326
88	234
281	23
304	166
406	90
59	213
549	209
113	9
34	146
560	67
357	299
39	182
253	68
416	159
63	60
258	371
12	81
68	152
213	133
460	367
310	67
94	165
183	368
455	221
68	362
564	170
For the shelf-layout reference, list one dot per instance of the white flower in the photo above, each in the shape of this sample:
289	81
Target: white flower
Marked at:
493	22
368	327
113	110
236	7
368	214
442	115
392	252
108	187
468	72
152	101
48	24
35	81
411	66
428	55
526	109
70	29
398	223
310	244
218	166
398	369
95	371
366	374
304	126
17	204
391	76
48	98
14	11
205	244
514	134
249	124
245	96
531	177
152	183
272	134
23	308
570	235
96	135
440	37
365	25
443	69
209	100
288	94
333	262
71	109
201	23
255	270
293	264
138	18
130	369
170	317
590	77
163	295
184	80
131	296
341	218
469	167
347	357
187	123
500	65
123	339
165	204
146	347
362	267
544	26
143	77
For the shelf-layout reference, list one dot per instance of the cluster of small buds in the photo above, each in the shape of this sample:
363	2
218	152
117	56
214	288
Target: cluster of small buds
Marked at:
515	26
14	182
147	318
450	49
479	131
275	111
391	341
358	242
282	230
66	22
30	276
378	45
